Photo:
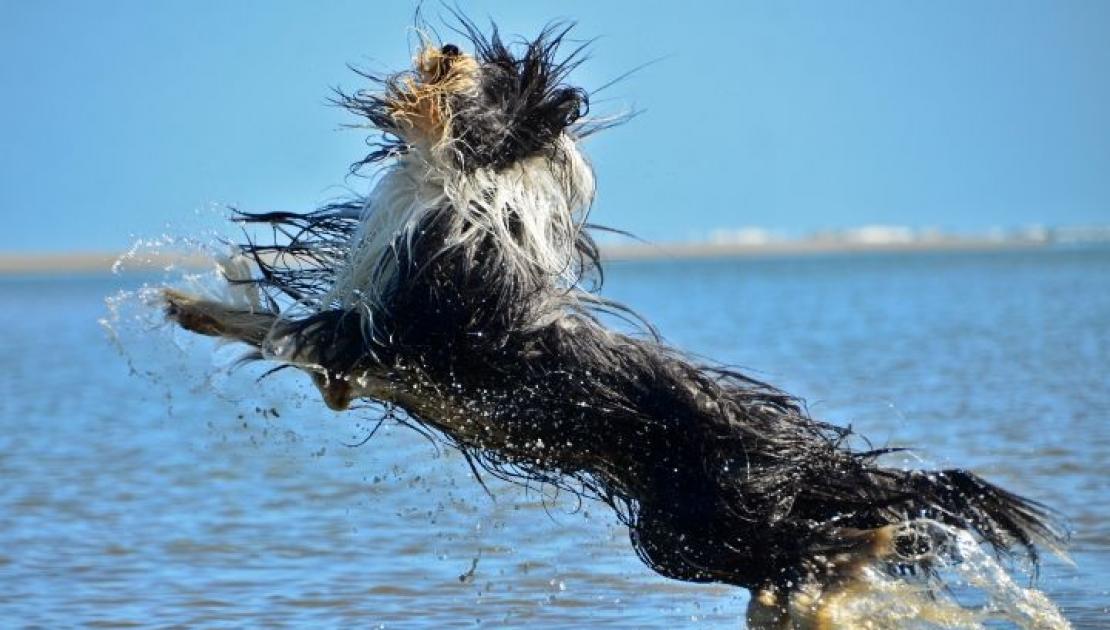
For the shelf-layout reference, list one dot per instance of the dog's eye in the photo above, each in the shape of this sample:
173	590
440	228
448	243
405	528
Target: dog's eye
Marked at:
450	50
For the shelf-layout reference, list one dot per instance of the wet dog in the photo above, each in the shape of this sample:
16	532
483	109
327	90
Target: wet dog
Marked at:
462	292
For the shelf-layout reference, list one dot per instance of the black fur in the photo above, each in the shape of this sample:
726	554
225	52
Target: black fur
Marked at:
718	476
522	105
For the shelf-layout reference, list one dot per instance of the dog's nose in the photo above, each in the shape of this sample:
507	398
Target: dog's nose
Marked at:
450	50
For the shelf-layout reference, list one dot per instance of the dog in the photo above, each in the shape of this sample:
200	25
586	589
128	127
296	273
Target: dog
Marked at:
463	292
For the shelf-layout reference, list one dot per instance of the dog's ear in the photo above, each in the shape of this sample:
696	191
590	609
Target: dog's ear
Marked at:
522	105
569	104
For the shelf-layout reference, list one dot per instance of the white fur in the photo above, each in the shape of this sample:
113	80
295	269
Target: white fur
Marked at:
549	197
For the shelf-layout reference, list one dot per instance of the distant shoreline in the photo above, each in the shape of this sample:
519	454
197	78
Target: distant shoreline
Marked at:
90	262
696	250
102	262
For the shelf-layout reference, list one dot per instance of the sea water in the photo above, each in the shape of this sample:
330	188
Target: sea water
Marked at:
154	486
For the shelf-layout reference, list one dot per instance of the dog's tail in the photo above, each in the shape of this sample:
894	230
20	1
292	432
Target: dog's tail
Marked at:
1010	524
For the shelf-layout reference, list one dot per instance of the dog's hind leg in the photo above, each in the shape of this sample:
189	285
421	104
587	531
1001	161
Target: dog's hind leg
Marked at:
820	602
767	610
851	588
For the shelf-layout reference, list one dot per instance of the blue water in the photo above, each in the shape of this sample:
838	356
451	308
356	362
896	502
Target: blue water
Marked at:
151	488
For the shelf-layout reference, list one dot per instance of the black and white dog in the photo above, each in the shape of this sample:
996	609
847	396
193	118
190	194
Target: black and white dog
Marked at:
462	292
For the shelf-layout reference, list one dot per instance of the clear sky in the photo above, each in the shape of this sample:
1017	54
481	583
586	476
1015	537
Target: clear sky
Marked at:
121	117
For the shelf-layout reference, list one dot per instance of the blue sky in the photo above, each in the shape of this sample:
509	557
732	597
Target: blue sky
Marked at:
121	117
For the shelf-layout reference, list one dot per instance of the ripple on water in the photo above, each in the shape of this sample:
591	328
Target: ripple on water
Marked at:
159	492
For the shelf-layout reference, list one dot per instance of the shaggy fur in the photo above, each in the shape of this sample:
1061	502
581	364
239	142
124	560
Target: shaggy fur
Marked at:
460	290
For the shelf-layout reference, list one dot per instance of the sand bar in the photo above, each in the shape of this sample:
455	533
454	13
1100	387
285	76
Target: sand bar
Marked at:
102	262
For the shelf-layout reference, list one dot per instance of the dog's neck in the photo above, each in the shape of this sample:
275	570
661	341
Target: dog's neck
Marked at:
532	211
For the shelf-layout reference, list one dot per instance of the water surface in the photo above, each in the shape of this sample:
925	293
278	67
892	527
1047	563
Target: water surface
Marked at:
162	491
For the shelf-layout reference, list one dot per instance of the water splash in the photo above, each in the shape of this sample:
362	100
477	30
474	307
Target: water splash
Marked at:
167	356
964	573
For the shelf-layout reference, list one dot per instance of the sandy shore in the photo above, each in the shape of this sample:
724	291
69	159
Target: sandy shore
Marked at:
87	262
646	251
102	262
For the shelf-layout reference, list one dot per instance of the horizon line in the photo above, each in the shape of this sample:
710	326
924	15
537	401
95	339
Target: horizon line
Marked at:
46	263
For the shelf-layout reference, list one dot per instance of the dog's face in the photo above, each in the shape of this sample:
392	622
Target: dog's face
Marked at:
487	108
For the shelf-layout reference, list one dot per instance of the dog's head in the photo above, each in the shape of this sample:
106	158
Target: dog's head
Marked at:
482	104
